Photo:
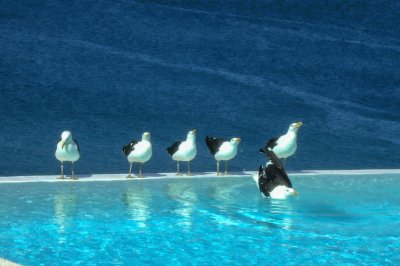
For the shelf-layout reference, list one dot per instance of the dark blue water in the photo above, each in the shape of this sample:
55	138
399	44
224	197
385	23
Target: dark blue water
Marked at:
109	70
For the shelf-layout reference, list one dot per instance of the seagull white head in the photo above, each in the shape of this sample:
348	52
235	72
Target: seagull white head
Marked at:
235	141
282	192
295	127
65	135
192	134
146	136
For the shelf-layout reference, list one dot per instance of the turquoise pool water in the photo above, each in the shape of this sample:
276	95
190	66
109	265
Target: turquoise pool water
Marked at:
202	221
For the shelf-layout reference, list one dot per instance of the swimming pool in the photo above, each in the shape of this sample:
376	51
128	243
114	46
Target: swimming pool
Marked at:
336	219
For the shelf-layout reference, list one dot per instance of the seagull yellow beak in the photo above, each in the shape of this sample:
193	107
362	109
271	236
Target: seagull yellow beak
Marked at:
238	140
295	193
194	130
298	124
62	142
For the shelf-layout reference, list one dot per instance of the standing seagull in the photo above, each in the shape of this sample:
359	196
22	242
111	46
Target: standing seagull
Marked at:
138	152
67	150
285	145
272	180
184	150
223	150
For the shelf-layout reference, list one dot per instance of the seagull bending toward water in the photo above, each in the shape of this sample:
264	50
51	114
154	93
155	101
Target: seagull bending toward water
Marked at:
67	150
272	180
184	150
223	150
285	145
138	152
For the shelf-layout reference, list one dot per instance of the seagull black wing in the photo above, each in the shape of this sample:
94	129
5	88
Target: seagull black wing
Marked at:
270	144
277	176
263	181
270	177
213	144
77	145
171	150
129	147
274	159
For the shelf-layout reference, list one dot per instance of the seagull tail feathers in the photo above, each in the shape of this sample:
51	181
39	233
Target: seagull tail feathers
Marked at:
169	150
263	150
274	159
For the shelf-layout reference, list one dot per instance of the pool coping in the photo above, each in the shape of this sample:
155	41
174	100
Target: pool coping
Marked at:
4	262
115	177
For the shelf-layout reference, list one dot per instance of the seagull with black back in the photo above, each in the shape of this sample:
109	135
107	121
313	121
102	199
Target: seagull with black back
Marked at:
285	145
138	152
185	150
222	150
67	151
272	179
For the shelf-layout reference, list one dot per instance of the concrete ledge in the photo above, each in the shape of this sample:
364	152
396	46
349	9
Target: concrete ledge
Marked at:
347	172
114	177
4	262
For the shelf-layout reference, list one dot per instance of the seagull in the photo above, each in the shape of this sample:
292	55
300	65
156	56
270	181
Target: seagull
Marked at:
138	152
184	150
285	145
272	180
223	150
67	150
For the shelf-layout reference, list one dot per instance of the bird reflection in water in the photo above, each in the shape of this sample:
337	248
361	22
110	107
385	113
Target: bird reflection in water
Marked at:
281	213
65	206
186	198
137	199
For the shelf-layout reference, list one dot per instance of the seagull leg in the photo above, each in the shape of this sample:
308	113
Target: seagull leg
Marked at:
72	171
218	172
177	169
62	171
130	171
140	170
226	168
188	168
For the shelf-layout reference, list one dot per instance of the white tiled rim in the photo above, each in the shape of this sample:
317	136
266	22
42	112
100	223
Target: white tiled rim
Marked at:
4	262
114	177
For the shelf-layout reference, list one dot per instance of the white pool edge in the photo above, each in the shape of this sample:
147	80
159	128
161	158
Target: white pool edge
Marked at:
115	177
4	262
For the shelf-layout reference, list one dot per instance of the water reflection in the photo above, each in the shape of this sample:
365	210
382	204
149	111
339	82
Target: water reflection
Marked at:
267	215
229	194
225	202
65	206
137	199
186	198
281	213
